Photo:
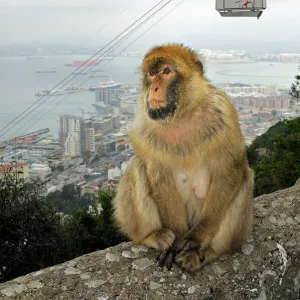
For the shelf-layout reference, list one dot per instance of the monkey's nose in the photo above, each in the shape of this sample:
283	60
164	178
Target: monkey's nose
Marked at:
156	89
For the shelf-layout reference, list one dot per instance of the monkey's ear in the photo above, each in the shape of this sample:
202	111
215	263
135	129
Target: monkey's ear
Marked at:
199	66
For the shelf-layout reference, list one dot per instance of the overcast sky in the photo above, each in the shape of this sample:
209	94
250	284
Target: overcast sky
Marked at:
195	22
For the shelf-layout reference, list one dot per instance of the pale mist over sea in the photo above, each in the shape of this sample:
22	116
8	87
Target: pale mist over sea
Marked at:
19	83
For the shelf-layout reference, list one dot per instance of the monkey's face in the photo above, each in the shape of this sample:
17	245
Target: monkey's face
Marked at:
161	81
170	74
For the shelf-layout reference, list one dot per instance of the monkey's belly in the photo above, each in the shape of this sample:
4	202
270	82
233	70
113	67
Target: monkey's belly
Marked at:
196	184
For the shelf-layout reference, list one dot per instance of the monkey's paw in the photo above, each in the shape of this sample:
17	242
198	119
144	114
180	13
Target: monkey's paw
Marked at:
190	256
164	238
189	261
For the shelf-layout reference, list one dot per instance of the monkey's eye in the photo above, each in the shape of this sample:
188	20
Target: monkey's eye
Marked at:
152	73
166	71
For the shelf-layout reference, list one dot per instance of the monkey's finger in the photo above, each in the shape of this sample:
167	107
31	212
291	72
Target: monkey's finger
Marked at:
162	258
191	245
170	259
181	244
201	255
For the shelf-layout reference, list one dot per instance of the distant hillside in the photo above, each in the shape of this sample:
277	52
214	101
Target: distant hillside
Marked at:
275	157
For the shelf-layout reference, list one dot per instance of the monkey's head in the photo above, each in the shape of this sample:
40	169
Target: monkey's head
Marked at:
169	75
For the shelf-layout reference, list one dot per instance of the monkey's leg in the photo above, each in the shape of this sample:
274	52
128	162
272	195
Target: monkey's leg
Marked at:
137	213
225	210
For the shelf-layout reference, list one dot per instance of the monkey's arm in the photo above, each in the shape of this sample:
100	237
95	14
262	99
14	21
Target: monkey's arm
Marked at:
136	212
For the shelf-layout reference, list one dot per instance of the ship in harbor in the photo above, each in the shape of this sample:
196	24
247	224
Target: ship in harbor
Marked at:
83	63
68	90
106	84
79	72
46	71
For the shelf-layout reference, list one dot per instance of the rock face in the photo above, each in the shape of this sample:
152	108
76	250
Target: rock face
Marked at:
267	267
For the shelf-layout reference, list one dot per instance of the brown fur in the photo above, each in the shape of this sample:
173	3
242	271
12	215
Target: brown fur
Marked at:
209	212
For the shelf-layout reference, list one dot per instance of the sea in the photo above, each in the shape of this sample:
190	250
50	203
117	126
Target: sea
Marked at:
19	82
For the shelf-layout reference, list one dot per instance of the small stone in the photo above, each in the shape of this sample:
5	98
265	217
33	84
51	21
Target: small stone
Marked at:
218	270
159	274
191	290
283	216
224	257
142	264
272	219
103	298
247	249
85	276
94	283
250	239
297	282
112	257
275	204
281	222
297	218
235	265
34	284
13	290
139	248
289	220
291	243
287	204
162	280
49	292
72	263
8	292
71	283
271	245
184	277
154	285
130	254
72	271
38	273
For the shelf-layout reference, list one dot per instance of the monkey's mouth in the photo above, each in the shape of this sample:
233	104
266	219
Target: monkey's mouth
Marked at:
160	110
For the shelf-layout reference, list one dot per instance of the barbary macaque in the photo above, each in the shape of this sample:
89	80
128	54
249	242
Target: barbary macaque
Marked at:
188	191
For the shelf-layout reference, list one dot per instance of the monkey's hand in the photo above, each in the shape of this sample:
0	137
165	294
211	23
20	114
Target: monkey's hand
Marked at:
166	257
190	255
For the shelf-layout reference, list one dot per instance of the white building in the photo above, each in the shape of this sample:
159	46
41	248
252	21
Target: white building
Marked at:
70	134
39	171
114	173
89	138
72	144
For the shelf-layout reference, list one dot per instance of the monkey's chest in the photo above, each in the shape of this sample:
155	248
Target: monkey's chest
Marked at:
192	183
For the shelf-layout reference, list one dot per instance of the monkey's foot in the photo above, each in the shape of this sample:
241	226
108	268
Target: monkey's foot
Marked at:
161	239
192	257
189	260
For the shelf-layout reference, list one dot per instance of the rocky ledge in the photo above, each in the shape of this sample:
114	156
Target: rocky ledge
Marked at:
267	267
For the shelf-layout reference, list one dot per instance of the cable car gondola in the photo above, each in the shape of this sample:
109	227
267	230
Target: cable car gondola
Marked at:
241	8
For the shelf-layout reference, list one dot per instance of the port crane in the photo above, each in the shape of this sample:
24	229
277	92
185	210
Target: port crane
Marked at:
241	8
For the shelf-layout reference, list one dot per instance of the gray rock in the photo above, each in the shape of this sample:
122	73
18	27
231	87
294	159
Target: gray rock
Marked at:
142	264
297	218
218	270
139	248
154	285
72	271
94	283
49	292
112	257
247	249
273	220
33	284
191	290
130	254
